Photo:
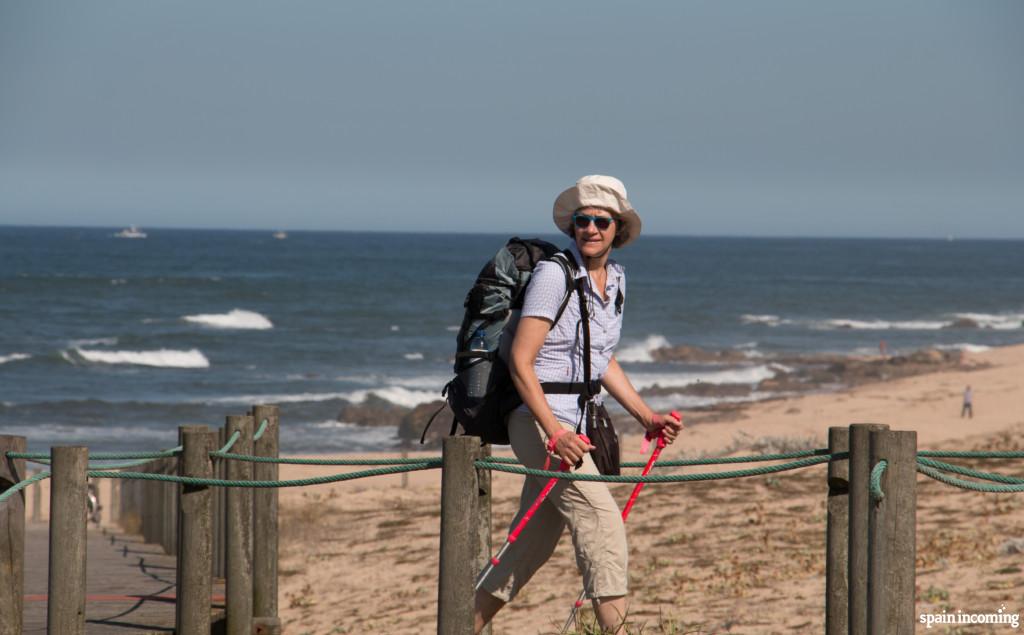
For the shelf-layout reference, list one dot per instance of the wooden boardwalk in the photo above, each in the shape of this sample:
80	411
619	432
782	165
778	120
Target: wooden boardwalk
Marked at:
130	585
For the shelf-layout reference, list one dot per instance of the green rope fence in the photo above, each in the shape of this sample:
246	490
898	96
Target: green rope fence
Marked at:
263	428
957	469
969	485
299	461
35	478
981	454
805	458
225	453
501	460
235	436
216	482
44	457
875	482
656	478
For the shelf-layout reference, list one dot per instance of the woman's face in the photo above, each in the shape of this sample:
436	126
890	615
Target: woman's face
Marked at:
591	241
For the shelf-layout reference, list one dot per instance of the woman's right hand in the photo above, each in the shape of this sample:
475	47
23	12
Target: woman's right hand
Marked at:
569	447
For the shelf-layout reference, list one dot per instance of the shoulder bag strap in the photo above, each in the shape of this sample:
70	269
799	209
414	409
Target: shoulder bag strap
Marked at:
586	395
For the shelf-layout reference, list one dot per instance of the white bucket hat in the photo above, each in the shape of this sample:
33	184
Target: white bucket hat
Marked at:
606	192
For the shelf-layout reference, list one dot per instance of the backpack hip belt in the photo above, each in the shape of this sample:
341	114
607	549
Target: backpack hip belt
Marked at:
571	388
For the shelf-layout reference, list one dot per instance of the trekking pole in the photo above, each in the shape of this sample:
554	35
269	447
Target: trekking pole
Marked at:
625	510
514	534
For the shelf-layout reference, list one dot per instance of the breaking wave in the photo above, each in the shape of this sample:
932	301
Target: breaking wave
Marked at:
750	375
641	351
235	319
999	322
879	325
767	319
162	358
395	394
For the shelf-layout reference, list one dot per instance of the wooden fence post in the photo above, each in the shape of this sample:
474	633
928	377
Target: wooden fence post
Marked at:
459	541
12	537
239	531
836	538
131	505
170	510
113	506
159	505
131	513
37	501
150	505
483	527
65	610
264	525
195	533
220	510
859	465
891	540
405	455
124	505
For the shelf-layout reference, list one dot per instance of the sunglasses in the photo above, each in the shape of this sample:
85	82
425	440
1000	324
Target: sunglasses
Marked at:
582	221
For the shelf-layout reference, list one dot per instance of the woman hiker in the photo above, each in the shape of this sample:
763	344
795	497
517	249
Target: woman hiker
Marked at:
596	214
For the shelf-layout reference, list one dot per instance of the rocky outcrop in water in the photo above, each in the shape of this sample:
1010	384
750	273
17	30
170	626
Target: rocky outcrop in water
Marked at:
807	373
411	426
700	390
813	373
373	411
696	355
962	323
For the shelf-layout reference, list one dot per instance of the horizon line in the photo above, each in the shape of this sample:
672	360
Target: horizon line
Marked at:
947	238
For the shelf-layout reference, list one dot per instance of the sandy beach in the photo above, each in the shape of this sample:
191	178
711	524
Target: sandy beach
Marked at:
738	556
735	556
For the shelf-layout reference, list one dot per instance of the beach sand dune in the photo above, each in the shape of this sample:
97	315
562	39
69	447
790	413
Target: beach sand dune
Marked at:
737	556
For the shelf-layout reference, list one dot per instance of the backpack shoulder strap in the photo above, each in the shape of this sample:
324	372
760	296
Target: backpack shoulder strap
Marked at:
585	322
563	258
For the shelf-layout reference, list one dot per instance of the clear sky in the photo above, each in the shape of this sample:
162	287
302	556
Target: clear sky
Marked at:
750	118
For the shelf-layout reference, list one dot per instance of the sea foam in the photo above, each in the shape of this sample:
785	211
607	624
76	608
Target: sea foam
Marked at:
234	319
879	325
96	341
395	394
13	357
684	402
749	375
433	382
964	346
766	319
999	322
162	358
641	351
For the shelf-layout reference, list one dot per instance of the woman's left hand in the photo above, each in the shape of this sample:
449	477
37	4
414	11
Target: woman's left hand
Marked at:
665	424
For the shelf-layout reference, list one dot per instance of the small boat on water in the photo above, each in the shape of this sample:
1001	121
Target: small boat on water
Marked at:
280	235
131	232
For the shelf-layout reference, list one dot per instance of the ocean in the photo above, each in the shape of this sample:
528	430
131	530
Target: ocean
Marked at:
112	342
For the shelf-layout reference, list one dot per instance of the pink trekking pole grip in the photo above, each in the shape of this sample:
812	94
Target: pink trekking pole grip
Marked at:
647	468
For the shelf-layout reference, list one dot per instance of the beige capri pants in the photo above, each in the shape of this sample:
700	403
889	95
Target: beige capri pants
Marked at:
592	515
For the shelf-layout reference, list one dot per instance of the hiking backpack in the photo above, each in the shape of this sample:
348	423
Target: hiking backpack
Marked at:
481	395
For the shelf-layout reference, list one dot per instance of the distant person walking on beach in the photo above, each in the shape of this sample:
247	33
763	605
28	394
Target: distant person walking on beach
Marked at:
968	407
547	357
